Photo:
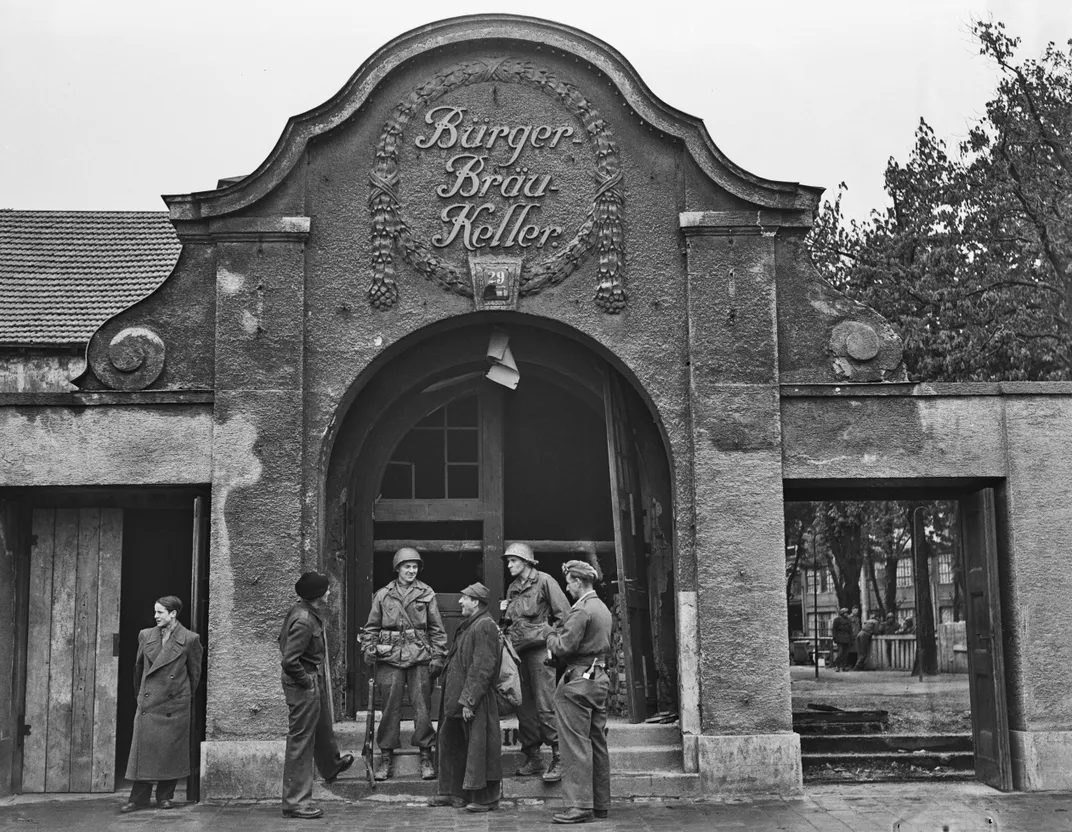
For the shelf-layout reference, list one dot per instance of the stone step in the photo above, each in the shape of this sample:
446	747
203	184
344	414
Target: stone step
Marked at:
638	759
867	743
620	735
353	785
925	760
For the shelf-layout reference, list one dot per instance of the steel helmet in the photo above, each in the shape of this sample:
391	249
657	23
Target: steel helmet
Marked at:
407	553
520	550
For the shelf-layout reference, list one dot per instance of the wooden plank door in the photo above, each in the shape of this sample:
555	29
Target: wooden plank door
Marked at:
72	666
628	545
9	696
199	624
986	664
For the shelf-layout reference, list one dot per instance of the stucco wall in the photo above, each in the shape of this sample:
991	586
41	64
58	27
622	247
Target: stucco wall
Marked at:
73	445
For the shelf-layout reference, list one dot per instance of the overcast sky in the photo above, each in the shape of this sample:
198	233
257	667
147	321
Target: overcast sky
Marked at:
106	104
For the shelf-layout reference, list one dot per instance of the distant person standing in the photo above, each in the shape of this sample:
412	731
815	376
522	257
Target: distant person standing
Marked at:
166	674
581	642
470	740
841	633
863	642
534	599
307	689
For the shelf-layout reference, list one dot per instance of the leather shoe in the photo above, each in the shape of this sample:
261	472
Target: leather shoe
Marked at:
166	804
599	813
303	813
133	807
446	800
573	815
344	764
482	807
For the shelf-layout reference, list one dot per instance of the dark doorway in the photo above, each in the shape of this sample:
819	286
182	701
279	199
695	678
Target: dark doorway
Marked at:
156	562
460	467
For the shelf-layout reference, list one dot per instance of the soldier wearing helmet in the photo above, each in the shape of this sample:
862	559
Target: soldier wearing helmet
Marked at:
406	642
534	600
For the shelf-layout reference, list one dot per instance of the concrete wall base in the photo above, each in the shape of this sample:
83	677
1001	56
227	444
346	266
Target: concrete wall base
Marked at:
1041	760
750	764
244	770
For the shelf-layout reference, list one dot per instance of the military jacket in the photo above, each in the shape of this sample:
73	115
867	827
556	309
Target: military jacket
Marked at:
404	626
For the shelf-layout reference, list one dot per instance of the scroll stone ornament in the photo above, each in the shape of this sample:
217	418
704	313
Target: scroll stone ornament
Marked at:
136	359
862	353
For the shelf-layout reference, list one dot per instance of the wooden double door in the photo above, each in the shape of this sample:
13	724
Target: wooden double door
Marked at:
464	469
83	580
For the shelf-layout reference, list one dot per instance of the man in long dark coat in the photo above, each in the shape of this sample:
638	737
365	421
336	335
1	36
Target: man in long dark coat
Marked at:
469	741
582	642
306	686
166	674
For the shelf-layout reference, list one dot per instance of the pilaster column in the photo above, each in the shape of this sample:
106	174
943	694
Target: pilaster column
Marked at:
256	551
747	743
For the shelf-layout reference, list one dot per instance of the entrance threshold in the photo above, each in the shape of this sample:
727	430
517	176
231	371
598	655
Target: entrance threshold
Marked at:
645	761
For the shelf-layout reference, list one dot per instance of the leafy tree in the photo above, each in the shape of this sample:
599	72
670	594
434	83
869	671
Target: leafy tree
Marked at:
973	259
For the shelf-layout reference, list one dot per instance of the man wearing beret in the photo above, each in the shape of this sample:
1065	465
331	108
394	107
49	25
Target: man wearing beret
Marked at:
307	688
581	642
469	741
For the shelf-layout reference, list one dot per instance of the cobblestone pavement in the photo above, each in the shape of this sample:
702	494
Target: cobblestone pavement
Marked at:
864	808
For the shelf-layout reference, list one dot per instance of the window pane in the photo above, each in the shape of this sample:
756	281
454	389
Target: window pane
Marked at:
463	481
428	446
462	446
397	481
433	419
462	413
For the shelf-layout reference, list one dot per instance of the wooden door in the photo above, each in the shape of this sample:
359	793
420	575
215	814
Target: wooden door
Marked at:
72	661
986	665
199	624
9	695
626	505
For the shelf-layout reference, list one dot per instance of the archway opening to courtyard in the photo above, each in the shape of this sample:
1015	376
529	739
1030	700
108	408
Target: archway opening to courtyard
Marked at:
894	641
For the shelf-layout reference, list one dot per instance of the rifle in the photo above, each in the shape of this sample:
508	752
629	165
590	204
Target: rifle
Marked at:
368	749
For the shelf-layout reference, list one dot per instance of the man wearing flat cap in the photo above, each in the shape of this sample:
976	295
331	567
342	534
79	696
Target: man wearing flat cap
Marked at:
307	688
581	642
469	742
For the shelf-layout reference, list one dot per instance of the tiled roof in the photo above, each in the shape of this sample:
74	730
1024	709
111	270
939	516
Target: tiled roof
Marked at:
64	273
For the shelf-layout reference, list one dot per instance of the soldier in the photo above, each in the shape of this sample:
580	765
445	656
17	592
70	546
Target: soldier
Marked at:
534	599
582	641
406	641
470	741
311	732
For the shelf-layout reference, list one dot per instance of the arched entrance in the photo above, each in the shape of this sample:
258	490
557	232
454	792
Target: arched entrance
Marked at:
434	454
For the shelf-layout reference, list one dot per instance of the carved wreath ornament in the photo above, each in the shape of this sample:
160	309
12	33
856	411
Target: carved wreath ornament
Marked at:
601	228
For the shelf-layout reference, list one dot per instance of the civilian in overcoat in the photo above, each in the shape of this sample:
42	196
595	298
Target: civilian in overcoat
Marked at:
469	742
167	671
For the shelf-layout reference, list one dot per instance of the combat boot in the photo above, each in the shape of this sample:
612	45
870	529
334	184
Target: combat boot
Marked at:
554	771
428	771
533	763
386	766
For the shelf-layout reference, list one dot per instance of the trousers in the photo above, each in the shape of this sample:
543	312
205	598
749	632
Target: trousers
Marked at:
393	682
142	791
310	739
536	722
581	709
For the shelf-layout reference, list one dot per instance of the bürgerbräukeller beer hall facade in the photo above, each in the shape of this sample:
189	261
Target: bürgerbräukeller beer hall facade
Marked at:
493	290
